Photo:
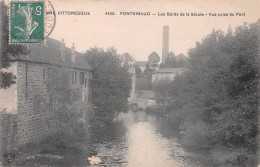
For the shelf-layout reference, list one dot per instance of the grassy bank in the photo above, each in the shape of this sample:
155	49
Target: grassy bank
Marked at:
58	150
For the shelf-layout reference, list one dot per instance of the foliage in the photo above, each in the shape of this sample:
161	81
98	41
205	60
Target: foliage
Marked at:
70	112
161	92
7	52
111	83
143	83
153	59
223	156
173	61
170	61
148	71
181	60
71	140
197	136
126	60
219	90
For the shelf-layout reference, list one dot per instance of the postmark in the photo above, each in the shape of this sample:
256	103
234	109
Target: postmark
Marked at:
30	22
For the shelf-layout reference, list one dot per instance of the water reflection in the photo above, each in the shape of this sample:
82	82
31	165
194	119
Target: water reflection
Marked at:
136	140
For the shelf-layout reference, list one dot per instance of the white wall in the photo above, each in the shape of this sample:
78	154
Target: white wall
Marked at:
161	76
8	97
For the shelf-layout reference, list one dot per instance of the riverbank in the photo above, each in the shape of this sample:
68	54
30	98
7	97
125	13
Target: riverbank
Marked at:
131	139
54	151
207	155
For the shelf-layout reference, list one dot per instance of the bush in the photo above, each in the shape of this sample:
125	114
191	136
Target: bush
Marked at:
197	136
228	157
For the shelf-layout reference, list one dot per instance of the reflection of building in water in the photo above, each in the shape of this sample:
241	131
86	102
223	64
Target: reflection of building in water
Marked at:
166	74
29	101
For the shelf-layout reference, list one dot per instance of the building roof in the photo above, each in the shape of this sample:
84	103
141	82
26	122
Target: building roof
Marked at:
169	70
50	54
141	63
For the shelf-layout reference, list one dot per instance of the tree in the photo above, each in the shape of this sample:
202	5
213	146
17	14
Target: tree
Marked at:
219	91
126	60
8	52
181	60
148	71
162	95
170	61
173	61
153	59
111	83
64	102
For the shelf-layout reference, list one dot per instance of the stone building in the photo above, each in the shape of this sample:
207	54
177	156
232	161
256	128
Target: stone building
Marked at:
24	100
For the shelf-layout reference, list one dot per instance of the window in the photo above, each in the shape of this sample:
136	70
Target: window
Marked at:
51	102
86	83
81	78
49	74
35	103
89	89
74	77
43	75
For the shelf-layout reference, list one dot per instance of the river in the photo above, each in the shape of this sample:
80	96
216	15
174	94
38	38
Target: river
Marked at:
136	139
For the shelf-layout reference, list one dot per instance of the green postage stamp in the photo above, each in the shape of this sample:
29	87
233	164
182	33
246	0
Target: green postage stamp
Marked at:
26	22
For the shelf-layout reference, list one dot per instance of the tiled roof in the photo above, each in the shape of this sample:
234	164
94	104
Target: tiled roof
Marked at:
169	70
50	54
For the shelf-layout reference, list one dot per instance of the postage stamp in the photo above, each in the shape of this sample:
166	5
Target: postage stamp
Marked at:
26	22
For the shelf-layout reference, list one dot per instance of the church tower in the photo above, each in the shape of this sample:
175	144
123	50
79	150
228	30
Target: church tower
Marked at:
165	43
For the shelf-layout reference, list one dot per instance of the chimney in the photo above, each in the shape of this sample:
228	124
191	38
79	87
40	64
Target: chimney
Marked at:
165	43
73	55
62	50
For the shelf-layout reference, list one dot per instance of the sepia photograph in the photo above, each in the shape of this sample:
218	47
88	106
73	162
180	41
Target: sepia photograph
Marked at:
129	83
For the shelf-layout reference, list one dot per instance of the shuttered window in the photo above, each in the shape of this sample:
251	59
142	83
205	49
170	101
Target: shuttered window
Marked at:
81	77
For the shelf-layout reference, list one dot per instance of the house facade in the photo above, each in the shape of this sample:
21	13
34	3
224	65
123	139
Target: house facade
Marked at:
28	101
166	74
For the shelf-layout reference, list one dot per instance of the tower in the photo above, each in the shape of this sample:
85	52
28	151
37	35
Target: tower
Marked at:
165	43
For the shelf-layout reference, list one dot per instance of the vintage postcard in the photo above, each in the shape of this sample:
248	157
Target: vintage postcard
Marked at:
149	83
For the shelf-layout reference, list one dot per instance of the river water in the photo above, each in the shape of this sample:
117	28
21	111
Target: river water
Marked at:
136	139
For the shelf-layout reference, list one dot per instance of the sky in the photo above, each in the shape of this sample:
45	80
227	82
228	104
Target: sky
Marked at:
141	35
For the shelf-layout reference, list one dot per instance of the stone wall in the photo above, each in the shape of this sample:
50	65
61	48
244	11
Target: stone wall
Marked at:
34	116
8	132
34	123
